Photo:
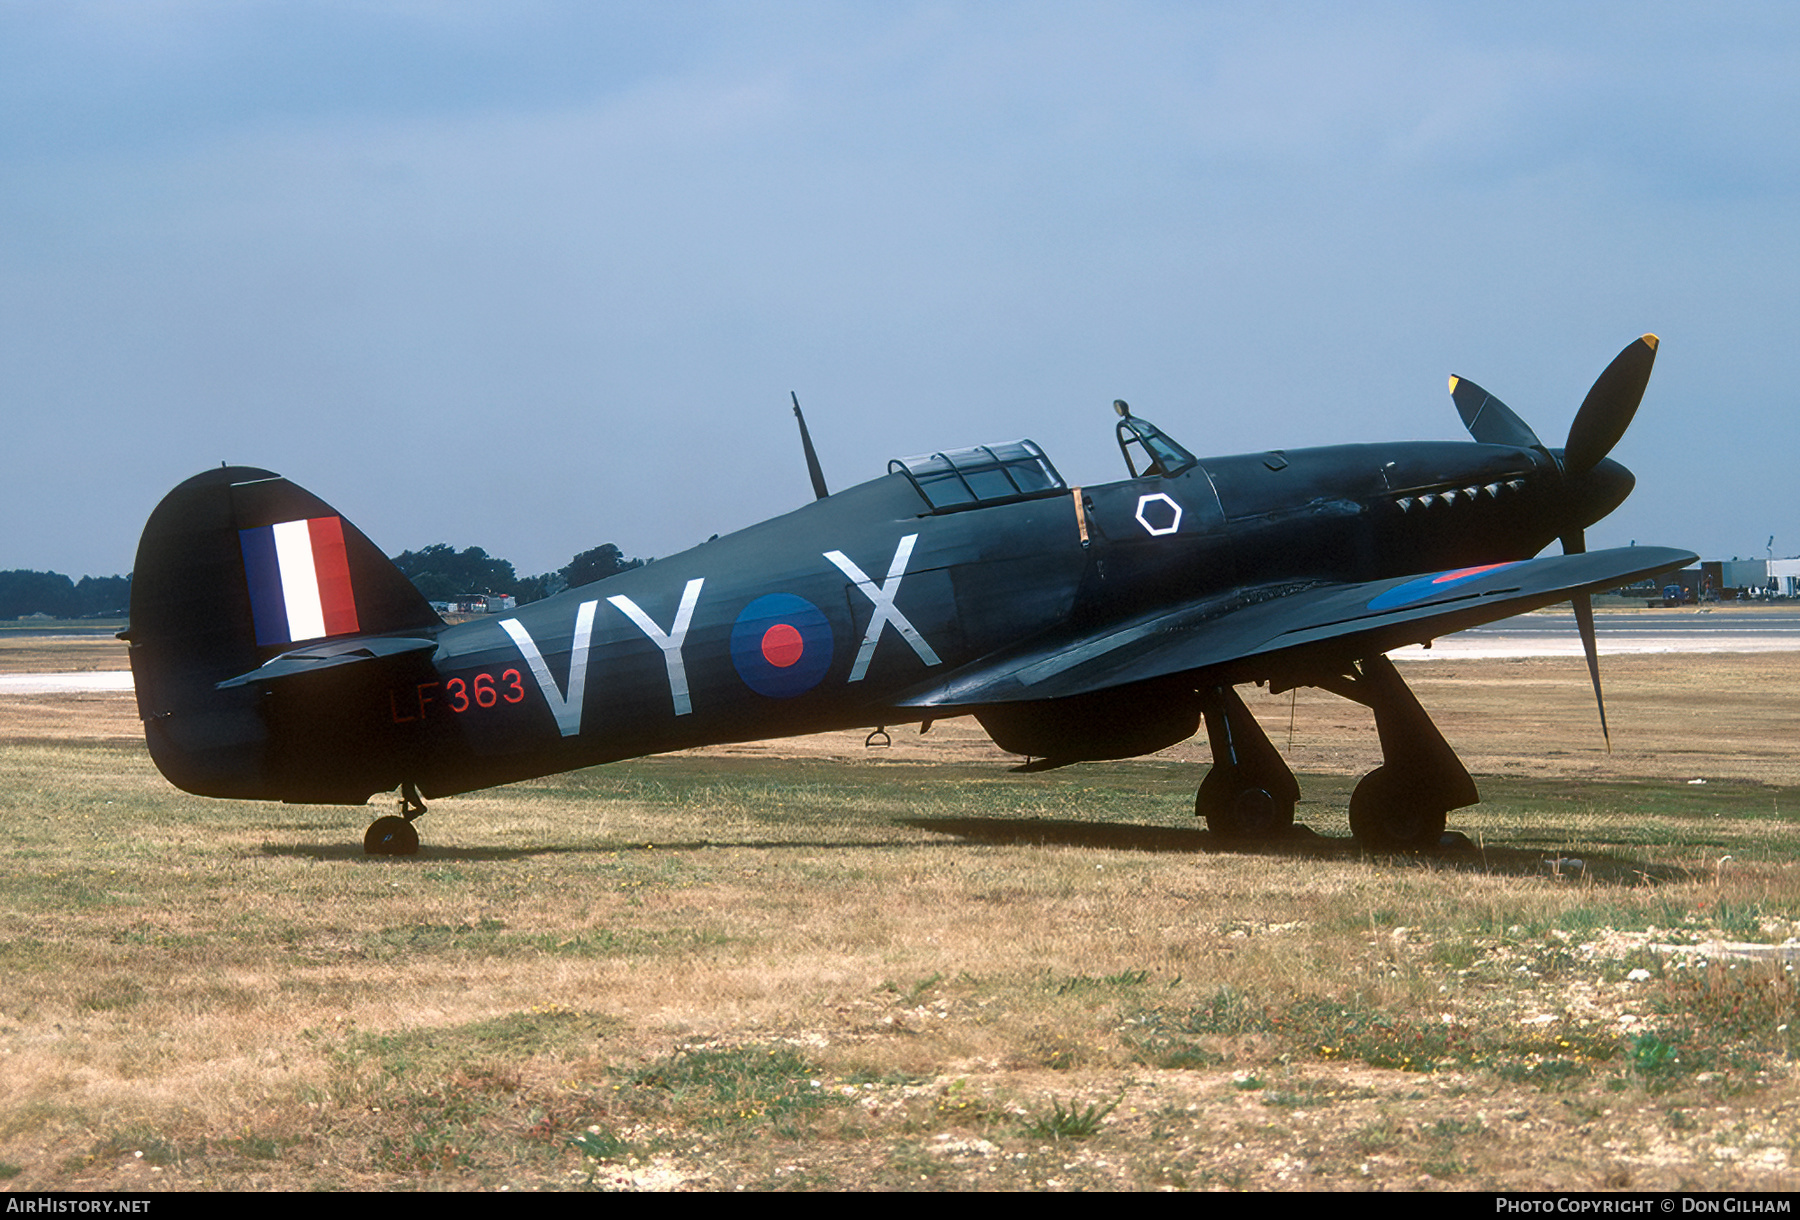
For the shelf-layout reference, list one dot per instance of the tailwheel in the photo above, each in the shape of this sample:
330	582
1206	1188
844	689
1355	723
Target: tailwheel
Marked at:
391	836
395	835
1386	811
1248	813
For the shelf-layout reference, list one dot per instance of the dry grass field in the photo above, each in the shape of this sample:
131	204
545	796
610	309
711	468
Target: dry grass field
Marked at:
813	965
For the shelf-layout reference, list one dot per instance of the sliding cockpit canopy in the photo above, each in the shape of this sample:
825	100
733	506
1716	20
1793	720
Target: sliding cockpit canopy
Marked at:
981	475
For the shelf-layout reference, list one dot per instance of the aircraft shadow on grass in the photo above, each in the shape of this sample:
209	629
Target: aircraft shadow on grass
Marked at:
457	855
1458	854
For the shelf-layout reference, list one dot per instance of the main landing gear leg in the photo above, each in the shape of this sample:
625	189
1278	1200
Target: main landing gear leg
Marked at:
1249	793
395	836
1403	802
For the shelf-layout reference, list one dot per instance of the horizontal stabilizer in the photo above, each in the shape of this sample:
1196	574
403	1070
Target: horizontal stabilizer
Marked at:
329	655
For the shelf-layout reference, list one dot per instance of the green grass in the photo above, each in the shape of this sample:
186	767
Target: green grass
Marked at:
436	1051
1071	1122
743	1087
801	974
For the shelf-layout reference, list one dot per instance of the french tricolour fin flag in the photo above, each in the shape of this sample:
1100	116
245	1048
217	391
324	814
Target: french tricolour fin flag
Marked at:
299	579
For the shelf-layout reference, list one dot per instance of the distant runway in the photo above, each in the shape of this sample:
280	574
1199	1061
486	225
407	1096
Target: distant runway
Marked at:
1529	635
51	684
1619	634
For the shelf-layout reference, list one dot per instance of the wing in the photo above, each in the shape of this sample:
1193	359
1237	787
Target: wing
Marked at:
1276	631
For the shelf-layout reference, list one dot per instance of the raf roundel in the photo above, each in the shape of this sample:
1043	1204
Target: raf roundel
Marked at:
781	645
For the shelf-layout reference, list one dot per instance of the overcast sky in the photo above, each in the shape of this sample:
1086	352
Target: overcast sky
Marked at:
537	276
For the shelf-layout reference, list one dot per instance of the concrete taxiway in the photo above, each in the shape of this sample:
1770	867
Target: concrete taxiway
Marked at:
1553	634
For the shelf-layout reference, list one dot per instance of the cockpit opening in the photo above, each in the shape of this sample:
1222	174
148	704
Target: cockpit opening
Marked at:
1148	451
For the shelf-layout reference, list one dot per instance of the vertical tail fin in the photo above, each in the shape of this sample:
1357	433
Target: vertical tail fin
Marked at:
235	566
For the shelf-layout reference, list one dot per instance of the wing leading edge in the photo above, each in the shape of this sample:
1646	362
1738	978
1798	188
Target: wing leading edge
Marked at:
1279	630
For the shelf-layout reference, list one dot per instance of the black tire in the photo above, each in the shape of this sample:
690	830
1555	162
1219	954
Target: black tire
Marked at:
391	836
1248	813
1385	812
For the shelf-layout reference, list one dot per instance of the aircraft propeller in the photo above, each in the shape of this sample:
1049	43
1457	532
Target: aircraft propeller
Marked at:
1592	485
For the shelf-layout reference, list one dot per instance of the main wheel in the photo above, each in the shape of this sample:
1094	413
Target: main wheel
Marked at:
391	836
1248	813
1385	811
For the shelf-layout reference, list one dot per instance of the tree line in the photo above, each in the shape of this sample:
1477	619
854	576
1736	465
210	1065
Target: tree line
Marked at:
440	572
24	593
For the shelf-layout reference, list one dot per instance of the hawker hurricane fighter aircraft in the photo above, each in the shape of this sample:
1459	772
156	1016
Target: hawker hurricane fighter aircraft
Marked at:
279	656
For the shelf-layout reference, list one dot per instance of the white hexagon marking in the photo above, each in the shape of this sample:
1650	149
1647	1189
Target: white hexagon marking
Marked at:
1157	531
